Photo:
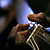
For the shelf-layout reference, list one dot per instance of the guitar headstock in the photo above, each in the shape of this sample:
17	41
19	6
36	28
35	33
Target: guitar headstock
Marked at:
38	37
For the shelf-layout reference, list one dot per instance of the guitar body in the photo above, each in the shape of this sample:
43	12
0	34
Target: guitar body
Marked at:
42	44
39	39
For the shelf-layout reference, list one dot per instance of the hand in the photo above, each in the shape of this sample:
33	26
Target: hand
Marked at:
17	35
40	18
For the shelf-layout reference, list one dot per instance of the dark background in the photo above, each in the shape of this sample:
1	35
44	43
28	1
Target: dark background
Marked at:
40	6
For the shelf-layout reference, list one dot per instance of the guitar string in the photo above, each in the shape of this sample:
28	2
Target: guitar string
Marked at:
42	37
43	34
35	43
46	34
29	44
32	44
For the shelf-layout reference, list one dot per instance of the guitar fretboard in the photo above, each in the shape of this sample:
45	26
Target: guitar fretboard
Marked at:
38	32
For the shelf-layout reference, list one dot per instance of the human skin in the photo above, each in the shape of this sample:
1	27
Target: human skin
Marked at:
18	33
40	18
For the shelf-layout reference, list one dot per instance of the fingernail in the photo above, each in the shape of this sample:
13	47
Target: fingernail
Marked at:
28	16
27	23
31	16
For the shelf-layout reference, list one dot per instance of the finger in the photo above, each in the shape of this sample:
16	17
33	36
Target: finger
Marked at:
17	28
35	19
21	27
24	32
31	16
20	36
39	16
25	26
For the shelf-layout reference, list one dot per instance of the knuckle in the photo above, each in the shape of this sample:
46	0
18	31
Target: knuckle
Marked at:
19	26
42	13
18	33
13	28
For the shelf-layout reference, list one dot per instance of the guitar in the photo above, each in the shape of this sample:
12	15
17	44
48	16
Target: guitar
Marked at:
39	38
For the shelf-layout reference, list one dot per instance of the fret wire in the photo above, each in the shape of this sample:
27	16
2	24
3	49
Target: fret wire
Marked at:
35	43
46	37
43	38
32	44
35	35
43	35
32	33
37	32
38	36
40	32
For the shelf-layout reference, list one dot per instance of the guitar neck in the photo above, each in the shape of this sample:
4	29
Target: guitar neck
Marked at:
38	32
